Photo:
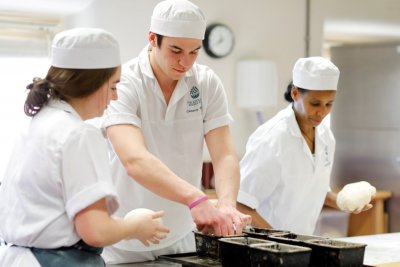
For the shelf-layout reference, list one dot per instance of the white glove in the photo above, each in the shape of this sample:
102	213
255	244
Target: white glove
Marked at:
353	197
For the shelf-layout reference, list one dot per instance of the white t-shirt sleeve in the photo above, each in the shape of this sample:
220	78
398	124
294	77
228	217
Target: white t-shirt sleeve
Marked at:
216	111
86	173
260	172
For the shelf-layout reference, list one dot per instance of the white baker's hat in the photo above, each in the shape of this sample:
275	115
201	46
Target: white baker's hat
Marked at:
315	73
85	48
178	18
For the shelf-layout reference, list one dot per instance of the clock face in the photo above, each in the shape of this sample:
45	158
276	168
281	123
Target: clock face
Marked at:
219	40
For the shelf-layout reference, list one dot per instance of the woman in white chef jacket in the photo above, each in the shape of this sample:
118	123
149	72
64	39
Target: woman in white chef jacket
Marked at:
57	195
285	172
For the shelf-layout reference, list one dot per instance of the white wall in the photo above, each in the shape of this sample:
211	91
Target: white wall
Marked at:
264	29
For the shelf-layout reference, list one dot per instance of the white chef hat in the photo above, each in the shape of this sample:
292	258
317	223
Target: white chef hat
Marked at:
178	18
315	73
85	48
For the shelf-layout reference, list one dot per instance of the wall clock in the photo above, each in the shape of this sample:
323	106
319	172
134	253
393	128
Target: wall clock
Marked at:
219	40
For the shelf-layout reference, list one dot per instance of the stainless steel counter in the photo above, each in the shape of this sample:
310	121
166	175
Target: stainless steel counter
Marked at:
382	248
157	263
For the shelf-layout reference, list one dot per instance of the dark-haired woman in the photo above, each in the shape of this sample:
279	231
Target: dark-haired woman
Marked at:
57	194
285	173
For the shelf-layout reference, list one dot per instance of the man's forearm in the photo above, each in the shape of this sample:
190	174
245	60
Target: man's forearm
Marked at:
227	179
158	178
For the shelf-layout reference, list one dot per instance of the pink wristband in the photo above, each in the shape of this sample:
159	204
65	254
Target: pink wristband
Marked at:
198	201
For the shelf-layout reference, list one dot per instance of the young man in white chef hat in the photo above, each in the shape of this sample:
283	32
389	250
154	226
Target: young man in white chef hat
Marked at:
57	194
167	106
285	173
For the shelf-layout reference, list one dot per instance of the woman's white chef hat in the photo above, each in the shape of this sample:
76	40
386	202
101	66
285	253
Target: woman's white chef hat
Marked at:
315	73
85	48
178	18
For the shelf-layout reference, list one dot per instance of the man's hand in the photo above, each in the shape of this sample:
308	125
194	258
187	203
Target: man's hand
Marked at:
221	218
238	220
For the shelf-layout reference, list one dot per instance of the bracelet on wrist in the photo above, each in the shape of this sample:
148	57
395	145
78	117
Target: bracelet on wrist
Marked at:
198	201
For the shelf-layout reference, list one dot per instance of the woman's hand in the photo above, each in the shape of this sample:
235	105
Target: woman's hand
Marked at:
147	228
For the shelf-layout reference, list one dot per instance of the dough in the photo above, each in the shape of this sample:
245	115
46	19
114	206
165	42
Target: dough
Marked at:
142	211
355	196
133	244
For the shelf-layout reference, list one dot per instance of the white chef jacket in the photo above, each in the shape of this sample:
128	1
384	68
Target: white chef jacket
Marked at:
281	178
59	166
174	133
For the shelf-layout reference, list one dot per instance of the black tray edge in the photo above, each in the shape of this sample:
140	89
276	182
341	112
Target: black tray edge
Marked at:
179	258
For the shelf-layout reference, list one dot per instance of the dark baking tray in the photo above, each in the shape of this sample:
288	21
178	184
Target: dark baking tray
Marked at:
192	260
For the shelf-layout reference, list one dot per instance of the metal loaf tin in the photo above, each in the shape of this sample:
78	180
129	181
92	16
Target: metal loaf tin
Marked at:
294	239
208	245
235	251
326	252
330	253
263	233
282	255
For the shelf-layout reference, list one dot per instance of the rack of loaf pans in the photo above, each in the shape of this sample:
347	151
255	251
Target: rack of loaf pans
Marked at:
261	247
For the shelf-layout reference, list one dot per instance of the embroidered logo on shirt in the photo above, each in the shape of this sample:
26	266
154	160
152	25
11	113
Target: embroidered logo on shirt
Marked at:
194	104
194	92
